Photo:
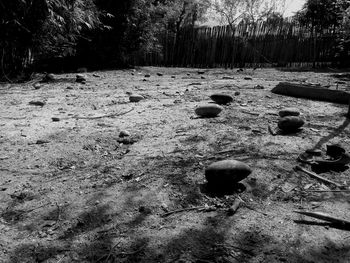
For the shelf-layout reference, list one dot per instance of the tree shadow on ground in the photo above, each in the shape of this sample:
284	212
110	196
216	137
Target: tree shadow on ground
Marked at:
336	132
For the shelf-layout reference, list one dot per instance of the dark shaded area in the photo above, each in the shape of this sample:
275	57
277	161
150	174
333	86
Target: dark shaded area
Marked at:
323	224
221	191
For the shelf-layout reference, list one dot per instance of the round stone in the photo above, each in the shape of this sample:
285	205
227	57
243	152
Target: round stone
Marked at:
80	78
123	134
221	98
207	111
37	86
49	77
289	112
135	98
227	172
290	123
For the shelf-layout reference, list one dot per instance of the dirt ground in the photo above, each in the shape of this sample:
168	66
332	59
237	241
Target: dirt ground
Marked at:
72	191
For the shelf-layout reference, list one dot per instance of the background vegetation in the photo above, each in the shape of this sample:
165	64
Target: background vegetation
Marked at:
56	35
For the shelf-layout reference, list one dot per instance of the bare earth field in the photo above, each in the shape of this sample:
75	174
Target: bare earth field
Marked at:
72	191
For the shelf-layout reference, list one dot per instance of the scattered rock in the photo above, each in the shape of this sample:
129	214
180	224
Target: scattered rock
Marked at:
55	119
290	123
126	140
200	72
37	86
42	141
159	74
315	152
237	93
48	78
37	103
135	98
259	87
80	78
173	77
289	112
220	98
124	133
226	173
248	78
202	77
69	87
208	111
227	77
147	76
96	75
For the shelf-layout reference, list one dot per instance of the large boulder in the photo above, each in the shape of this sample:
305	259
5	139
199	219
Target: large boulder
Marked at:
208	111
226	173
222	99
290	123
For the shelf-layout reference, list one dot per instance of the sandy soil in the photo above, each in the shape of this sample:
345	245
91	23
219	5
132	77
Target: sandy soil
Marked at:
71	191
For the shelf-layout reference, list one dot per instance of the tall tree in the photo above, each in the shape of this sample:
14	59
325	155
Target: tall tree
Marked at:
233	12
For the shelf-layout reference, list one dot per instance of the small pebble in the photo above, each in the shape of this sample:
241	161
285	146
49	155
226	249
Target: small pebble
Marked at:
123	134
135	98
227	172
208	111
221	98
37	103
55	119
80	78
48	78
290	123
289	112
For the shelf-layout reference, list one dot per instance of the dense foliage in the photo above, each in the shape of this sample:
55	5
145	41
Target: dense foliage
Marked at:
330	16
87	32
31	29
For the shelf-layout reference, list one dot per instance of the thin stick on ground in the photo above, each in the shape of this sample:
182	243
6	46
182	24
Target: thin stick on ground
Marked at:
325	217
198	208
327	191
103	116
318	177
109	253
